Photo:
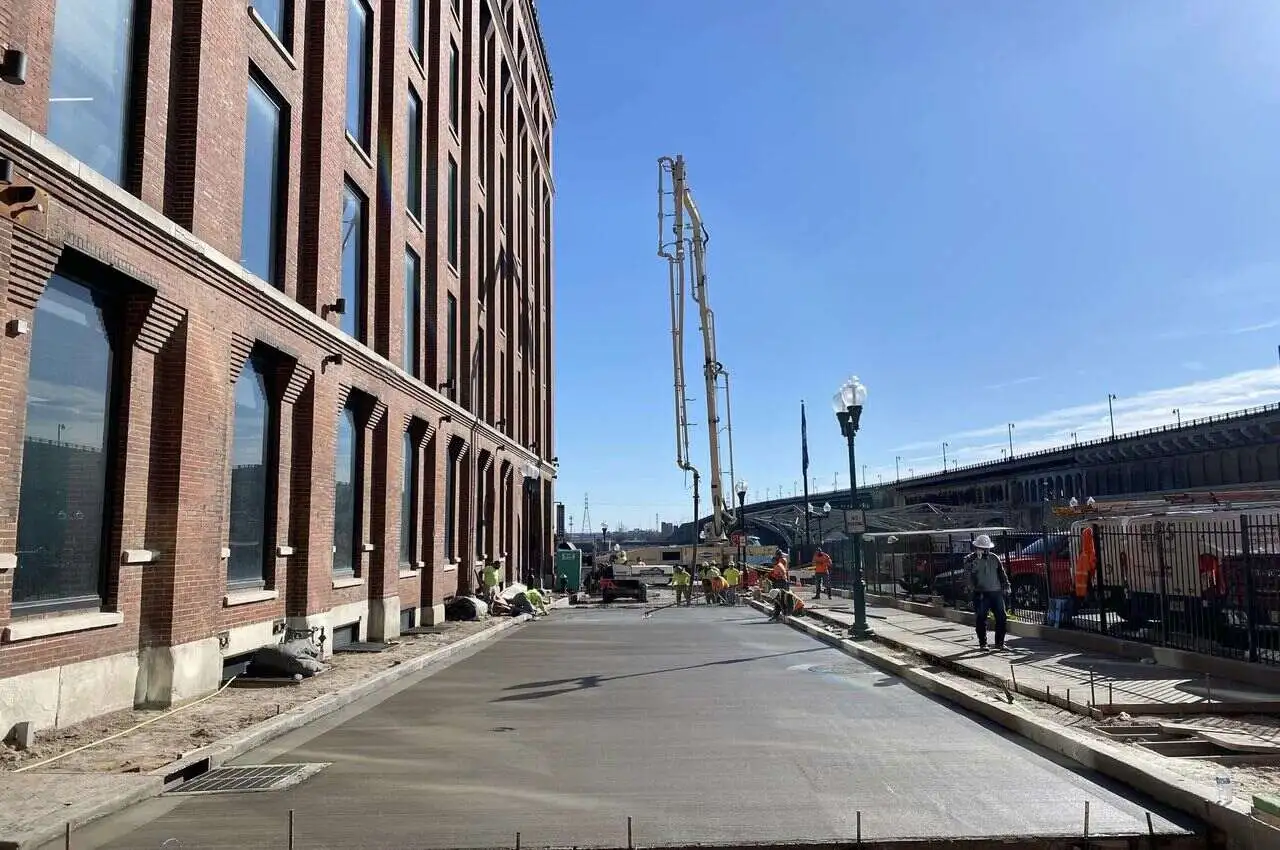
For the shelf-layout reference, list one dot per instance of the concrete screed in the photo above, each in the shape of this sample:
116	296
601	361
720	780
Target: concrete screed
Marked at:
704	725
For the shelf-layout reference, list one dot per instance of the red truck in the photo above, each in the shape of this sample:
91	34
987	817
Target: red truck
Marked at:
1033	577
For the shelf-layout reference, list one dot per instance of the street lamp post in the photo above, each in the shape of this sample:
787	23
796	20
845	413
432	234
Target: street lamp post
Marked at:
944	456
1011	441
1177	411
741	488
897	471
1111	411
847	404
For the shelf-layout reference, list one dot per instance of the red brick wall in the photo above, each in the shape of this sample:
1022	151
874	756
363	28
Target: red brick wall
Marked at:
191	327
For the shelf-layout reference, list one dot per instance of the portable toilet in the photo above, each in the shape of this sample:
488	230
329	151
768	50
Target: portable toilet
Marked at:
569	565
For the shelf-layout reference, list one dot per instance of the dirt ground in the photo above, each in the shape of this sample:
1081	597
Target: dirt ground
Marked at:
165	740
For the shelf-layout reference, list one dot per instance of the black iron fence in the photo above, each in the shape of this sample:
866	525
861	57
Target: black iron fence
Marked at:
1200	582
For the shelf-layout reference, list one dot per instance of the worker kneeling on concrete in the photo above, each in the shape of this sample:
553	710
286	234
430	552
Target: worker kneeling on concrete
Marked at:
530	601
785	604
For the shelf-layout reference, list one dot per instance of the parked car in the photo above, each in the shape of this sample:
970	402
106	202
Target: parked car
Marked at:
1033	579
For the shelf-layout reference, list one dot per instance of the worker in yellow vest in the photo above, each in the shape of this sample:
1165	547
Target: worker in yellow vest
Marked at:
732	576
680	580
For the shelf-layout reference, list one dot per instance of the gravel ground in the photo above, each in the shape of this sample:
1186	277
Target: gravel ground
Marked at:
156	745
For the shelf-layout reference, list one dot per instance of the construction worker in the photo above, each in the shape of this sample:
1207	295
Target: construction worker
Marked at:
490	580
732	575
711	581
785	604
990	583
821	573
680	580
779	576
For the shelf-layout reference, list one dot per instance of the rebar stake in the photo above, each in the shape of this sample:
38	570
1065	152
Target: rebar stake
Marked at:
1208	687
517	841
1013	674
1093	699
859	826
1086	820
629	844
1151	830
291	829
1111	694
67	836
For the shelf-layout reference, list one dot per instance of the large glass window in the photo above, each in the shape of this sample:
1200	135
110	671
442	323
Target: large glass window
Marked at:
264	169
417	27
413	154
347	498
455	89
250	479
354	262
450	500
453	213
275	14
62	502
412	313
359	60
90	80
409	500
451	329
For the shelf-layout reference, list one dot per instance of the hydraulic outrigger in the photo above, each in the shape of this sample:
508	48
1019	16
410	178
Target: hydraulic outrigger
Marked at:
676	207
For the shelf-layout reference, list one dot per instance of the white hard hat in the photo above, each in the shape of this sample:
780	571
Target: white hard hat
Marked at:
983	541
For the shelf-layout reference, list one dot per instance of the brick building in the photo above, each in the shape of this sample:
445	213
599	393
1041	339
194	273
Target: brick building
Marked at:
276	289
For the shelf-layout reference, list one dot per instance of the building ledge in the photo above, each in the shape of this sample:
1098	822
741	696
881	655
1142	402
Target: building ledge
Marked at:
347	581
248	597
139	556
408	573
284	551
61	624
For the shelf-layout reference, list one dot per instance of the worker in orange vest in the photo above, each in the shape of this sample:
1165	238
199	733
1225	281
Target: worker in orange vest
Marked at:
821	573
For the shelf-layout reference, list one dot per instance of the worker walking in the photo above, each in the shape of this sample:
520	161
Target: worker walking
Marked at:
990	583
821	573
680	580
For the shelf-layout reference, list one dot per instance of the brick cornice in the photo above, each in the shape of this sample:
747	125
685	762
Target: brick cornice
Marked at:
31	263
161	320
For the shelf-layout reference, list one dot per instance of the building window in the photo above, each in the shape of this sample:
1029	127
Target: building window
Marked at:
450	499
417	28
482	256
90	81
264	169
275	14
413	148
480	515
412	314
250	479
482	144
455	88
451	329
481	380
354	260
348	498
409	501
453	213
501	195
359	61
62	503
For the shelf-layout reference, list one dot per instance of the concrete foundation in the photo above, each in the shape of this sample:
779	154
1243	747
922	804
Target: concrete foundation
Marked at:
244	639
61	696
168	675
341	615
431	614
384	619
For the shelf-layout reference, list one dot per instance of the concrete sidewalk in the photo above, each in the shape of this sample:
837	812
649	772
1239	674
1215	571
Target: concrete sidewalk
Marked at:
1064	675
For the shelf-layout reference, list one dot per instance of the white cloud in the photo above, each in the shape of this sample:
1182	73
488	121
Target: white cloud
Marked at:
1016	382
1263	326
1151	409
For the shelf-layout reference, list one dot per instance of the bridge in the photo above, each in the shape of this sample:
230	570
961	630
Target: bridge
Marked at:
1238	450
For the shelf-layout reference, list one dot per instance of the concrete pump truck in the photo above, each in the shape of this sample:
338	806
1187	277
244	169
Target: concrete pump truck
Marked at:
682	241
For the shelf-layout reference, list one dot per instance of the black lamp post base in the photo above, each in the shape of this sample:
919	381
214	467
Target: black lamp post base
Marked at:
861	633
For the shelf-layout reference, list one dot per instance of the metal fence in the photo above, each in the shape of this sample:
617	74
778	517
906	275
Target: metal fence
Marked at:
1200	582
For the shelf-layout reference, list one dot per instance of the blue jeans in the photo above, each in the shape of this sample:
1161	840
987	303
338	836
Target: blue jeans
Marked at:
819	581
984	601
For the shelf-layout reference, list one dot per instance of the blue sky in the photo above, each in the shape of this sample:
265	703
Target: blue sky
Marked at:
991	211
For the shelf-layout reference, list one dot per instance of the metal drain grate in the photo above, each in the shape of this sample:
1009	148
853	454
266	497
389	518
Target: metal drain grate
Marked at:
249	777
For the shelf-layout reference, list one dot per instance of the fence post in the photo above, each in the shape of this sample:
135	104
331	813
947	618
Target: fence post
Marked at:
1102	598
1164	599
1048	579
1249	610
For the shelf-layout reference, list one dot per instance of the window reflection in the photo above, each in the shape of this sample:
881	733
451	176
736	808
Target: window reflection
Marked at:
346	497
412	314
264	146
250	457
353	262
413	154
358	61
62	500
90	80
417	28
455	86
272	13
408	499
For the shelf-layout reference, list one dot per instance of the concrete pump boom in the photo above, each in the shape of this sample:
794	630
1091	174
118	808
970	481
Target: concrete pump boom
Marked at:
688	228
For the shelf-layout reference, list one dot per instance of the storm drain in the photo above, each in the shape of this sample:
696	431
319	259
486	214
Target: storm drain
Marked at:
249	777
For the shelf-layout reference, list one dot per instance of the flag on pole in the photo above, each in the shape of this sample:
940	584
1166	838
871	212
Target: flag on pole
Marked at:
804	444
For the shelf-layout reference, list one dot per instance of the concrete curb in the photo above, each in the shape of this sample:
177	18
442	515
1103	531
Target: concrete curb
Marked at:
241	742
1113	760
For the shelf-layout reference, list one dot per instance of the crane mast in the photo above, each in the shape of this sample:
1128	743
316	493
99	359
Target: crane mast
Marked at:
685	249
